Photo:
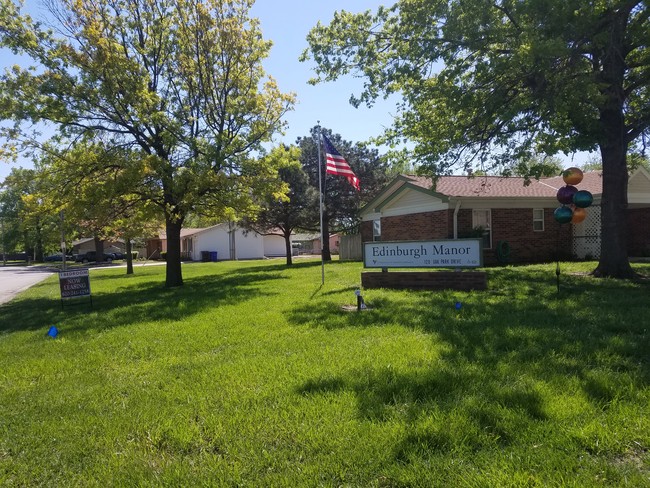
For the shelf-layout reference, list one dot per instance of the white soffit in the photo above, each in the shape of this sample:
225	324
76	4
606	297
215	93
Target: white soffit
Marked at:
411	201
638	187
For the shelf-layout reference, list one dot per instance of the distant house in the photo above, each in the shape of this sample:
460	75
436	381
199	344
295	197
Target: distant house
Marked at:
304	243
310	243
83	245
226	240
505	213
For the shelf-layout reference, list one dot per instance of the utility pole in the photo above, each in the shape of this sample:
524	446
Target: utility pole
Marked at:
4	254
63	249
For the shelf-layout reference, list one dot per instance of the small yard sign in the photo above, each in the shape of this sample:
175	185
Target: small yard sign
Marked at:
456	253
75	283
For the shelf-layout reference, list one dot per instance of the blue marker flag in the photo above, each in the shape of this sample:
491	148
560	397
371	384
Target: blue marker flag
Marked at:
53	332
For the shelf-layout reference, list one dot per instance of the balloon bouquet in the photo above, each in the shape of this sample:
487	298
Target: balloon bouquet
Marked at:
574	202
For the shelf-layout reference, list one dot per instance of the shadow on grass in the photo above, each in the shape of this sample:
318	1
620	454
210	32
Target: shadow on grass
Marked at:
497	350
140	301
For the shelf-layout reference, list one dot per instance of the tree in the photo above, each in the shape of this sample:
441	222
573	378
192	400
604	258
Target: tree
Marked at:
30	222
98	188
494	81
635	160
282	215
181	81
538	166
10	205
341	201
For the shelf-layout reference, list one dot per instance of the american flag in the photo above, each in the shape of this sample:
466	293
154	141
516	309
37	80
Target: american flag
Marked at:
337	165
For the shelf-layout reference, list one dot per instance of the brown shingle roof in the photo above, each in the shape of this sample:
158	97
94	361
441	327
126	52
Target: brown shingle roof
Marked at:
184	232
504	187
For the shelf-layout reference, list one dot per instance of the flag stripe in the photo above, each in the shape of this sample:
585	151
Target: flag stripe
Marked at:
337	165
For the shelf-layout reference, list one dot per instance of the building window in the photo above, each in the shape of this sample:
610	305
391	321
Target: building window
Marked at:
538	219
376	230
482	219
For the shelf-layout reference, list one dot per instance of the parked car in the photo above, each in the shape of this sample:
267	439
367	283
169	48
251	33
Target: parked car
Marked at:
91	256
57	256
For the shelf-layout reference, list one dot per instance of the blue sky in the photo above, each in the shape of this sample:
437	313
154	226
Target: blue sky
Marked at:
286	23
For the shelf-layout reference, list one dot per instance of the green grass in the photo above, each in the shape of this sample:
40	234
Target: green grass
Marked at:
252	375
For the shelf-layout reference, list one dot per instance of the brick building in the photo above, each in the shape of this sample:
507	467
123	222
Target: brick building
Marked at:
515	221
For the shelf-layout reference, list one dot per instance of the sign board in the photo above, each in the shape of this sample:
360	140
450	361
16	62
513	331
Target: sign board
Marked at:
75	283
453	253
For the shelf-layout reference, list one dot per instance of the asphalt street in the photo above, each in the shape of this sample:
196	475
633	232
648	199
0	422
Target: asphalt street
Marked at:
15	279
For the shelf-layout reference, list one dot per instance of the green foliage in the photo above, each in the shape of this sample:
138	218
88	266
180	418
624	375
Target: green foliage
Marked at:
489	84
100	189
31	225
292	205
181	82
493	82
635	160
341	201
538	167
252	375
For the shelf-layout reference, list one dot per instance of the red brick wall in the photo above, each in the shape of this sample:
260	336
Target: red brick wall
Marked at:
416	227
512	225
425	280
366	231
515	226
638	232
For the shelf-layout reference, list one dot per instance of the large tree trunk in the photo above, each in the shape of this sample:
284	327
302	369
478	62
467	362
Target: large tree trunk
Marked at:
174	276
613	144
99	250
38	243
614	260
287	246
129	255
325	240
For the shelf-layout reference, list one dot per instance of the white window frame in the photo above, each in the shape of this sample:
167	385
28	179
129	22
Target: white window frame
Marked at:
376	230
483	218
538	219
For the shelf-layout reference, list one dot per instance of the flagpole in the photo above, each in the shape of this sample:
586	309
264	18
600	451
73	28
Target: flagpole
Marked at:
321	198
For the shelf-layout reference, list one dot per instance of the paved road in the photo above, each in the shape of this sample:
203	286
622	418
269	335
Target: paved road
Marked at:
15	279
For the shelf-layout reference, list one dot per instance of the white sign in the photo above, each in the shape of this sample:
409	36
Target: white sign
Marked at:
456	253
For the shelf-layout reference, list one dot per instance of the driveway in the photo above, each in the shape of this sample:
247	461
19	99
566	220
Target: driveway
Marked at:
15	279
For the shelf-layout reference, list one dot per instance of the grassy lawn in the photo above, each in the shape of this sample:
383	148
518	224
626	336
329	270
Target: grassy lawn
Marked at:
252	375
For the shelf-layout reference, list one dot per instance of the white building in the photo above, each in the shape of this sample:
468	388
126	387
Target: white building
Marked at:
229	243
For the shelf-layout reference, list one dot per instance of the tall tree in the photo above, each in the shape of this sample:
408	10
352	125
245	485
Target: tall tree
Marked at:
281	215
180	80
10	205
537	166
30	220
341	201
493	81
98	187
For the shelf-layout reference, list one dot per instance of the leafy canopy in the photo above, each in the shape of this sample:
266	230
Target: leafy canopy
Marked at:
493	82
179	81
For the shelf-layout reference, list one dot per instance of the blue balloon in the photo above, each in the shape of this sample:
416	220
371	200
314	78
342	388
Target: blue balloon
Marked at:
582	199
563	215
458	305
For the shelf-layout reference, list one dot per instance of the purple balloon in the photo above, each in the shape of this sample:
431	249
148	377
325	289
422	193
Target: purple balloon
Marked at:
565	194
